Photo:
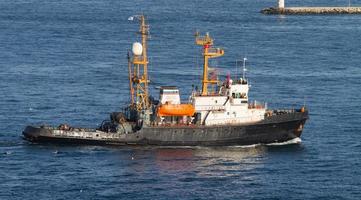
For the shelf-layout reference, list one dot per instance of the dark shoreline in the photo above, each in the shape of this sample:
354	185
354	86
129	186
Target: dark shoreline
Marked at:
312	10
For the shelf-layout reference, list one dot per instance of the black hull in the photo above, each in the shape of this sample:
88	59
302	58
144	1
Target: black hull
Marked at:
273	129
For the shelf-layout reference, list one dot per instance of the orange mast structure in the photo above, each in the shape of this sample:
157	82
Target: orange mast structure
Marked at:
208	52
138	70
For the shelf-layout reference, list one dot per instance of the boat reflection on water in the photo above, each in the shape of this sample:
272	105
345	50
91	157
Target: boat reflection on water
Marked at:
211	162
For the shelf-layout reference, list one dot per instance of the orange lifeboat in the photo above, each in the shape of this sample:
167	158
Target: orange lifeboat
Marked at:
176	110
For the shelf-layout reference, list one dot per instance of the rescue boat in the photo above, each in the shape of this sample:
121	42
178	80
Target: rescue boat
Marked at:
176	110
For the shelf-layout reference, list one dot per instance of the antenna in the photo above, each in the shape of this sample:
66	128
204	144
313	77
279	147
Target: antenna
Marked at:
244	68
304	101
236	70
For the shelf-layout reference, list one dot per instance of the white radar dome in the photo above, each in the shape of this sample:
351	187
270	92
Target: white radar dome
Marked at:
137	49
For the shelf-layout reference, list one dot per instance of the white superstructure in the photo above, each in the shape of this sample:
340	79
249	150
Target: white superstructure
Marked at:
223	103
229	106
169	94
281	4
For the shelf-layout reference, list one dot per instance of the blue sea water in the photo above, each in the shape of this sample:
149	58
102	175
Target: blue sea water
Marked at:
65	61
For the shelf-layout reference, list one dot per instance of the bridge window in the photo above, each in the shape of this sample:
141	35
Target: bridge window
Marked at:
239	95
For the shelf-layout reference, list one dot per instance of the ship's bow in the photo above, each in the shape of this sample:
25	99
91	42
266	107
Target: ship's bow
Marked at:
33	134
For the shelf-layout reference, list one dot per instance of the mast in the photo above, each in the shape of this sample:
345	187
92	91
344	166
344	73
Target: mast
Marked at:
208	52
138	77
244	69
131	89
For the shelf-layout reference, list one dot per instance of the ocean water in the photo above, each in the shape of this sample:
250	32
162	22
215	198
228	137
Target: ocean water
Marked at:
65	61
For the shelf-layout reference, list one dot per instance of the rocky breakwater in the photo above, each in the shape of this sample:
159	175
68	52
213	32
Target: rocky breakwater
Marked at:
312	10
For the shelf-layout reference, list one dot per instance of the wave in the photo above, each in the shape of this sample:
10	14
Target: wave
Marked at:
292	141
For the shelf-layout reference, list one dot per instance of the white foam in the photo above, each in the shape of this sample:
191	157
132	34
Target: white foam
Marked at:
293	141
245	146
